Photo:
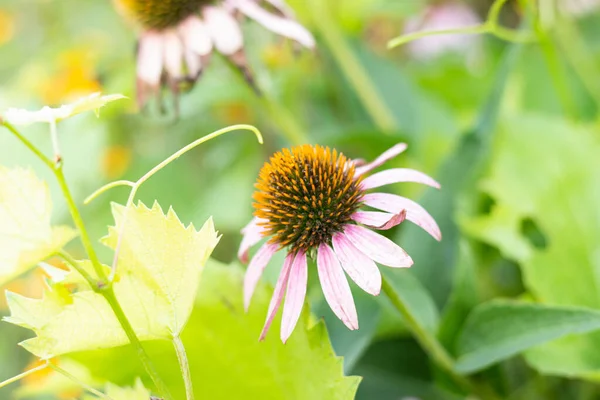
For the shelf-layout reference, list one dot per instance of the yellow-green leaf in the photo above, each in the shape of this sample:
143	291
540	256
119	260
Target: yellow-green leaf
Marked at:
95	101
137	392
26	236
159	267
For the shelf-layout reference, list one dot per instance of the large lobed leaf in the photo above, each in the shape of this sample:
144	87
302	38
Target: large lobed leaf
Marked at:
547	170
26	236
226	359
159	267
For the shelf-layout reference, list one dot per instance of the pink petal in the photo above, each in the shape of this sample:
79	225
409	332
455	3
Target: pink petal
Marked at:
379	220
150	58
282	26
294	297
252	234
173	53
414	212
384	157
335	287
195	36
377	247
255	270
396	175
357	265
224	30
193	64
277	294
282	7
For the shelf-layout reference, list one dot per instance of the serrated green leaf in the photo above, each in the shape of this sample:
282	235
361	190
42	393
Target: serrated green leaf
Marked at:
546	170
159	269
223	348
26	236
52	115
498	330
137	392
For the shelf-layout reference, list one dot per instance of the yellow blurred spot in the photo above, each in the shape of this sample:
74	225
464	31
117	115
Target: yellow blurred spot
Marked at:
31	285
115	161
234	113
75	77
39	377
7	27
277	56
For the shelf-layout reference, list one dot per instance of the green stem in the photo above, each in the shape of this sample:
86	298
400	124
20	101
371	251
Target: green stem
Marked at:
185	367
76	216
352	68
23	375
28	144
79	382
577	54
109	295
75	264
431	345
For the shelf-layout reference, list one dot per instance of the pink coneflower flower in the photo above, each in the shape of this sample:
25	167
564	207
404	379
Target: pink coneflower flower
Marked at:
179	36
447	15
309	203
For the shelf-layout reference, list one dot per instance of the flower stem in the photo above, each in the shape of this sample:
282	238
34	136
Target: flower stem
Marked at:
185	367
431	345
352	68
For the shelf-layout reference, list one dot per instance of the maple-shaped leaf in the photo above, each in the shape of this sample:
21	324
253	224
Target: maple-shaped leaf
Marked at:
26	236
159	266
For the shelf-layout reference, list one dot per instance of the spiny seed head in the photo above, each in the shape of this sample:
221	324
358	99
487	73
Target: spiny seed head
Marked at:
160	14
306	194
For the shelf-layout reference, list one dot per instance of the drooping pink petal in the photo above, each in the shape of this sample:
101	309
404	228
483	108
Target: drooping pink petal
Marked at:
414	212
277	294
283	26
396	175
150	58
255	270
377	247
335	287
252	234
195	36
384	157
193	64
357	265
379	220
173	53
224	30
282	7
294	297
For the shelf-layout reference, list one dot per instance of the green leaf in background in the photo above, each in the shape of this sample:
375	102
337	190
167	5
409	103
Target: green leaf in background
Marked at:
546	171
160	262
226	359
26	236
500	329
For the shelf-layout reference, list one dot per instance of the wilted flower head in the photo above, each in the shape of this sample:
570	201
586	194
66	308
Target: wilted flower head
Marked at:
179	36
446	15
309	202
